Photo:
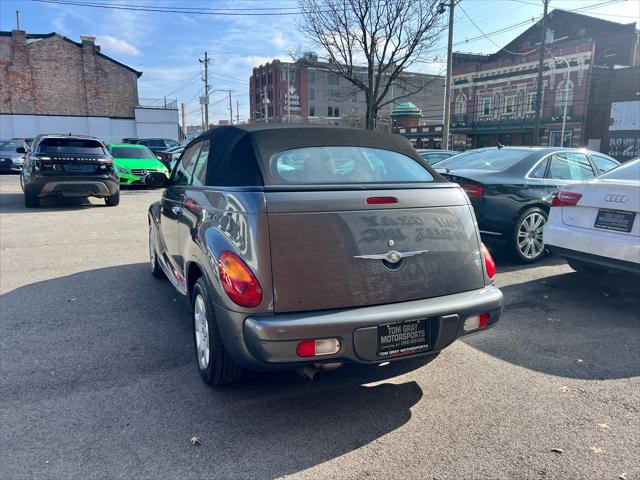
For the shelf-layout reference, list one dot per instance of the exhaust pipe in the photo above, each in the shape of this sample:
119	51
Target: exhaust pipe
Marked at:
313	372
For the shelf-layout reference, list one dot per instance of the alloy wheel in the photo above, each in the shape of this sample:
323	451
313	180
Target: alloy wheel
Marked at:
529	239
201	328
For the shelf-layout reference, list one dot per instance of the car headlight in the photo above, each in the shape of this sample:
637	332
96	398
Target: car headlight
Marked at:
123	170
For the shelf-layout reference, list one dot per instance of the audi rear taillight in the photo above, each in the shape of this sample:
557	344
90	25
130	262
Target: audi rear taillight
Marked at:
489	264
473	190
238	280
565	199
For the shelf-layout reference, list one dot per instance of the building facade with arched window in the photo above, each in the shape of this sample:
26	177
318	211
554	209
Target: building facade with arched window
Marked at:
494	98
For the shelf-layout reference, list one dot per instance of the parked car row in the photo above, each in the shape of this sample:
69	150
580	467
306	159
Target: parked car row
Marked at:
57	165
388	243
511	189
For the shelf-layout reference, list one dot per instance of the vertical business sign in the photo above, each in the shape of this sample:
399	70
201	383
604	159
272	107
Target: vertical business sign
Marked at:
292	101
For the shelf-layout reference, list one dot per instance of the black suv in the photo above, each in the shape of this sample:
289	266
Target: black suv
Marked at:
68	166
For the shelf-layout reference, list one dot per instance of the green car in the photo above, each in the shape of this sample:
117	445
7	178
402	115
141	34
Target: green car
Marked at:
134	162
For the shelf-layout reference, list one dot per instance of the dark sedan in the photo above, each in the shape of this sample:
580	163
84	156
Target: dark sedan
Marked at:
511	188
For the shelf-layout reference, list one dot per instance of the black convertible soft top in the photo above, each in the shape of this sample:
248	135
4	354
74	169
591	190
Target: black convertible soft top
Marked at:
239	153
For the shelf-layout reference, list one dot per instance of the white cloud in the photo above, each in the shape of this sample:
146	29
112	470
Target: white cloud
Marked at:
280	41
117	45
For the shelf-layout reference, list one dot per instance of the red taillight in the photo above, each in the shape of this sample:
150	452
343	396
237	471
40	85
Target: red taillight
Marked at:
484	320
381	200
238	280
565	199
472	190
306	348
489	264
317	348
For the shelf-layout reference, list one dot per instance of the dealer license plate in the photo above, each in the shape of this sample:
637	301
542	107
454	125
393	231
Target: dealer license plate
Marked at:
404	338
617	220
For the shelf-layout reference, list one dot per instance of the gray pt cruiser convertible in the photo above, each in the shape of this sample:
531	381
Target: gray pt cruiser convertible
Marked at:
311	246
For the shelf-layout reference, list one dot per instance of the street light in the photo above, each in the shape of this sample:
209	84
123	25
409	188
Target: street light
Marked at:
565	96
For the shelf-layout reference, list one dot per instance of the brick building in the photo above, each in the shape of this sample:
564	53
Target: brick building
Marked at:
314	94
494	96
49	83
52	75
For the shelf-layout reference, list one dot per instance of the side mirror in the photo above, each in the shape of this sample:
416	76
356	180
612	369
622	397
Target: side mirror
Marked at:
21	150
156	180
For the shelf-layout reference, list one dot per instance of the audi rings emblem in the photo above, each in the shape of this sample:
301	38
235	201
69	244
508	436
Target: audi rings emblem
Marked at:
612	197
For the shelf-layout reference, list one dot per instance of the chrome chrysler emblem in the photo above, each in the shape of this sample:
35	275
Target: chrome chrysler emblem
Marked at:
611	197
392	256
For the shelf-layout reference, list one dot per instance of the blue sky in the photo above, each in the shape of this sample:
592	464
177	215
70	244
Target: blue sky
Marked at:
166	46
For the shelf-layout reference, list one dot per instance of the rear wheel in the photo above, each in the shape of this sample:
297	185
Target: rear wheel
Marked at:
586	269
527	242
31	200
215	365
113	200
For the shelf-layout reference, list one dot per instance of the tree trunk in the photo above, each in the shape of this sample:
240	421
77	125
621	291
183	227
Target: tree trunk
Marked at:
370	116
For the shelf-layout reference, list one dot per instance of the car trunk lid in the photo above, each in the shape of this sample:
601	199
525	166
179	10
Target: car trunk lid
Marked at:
333	249
618	201
72	164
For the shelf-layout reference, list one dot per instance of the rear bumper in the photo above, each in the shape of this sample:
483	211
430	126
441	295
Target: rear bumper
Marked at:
570	242
78	186
269	342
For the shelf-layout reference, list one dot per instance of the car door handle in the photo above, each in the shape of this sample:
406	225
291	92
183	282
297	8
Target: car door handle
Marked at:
176	210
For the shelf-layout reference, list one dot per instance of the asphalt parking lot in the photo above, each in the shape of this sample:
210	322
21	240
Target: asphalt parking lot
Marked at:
98	380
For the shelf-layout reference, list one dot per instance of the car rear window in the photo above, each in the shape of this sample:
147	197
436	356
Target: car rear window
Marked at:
629	171
344	165
71	145
493	159
128	152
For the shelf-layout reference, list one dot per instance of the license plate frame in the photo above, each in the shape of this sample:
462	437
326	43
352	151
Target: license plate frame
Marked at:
403	338
614	220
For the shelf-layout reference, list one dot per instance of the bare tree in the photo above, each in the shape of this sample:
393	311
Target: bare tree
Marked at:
371	42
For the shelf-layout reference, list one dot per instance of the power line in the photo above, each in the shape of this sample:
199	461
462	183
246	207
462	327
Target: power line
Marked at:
184	10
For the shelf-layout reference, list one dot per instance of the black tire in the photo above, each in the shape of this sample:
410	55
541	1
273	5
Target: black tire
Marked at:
586	269
31	200
113	200
526	245
220	369
156	269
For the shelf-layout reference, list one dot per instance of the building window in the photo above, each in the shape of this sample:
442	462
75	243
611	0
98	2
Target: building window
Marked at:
270	78
532	102
312	111
554	138
293	76
312	76
333	78
509	105
564	96
461	104
485	106
354	98
333	112
312	94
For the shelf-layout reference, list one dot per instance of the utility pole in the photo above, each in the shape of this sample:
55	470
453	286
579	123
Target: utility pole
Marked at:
543	37
205	62
449	80
237	112
17	19
230	109
265	101
183	108
288	98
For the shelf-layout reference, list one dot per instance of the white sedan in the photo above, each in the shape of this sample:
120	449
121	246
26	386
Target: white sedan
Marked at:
595	224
